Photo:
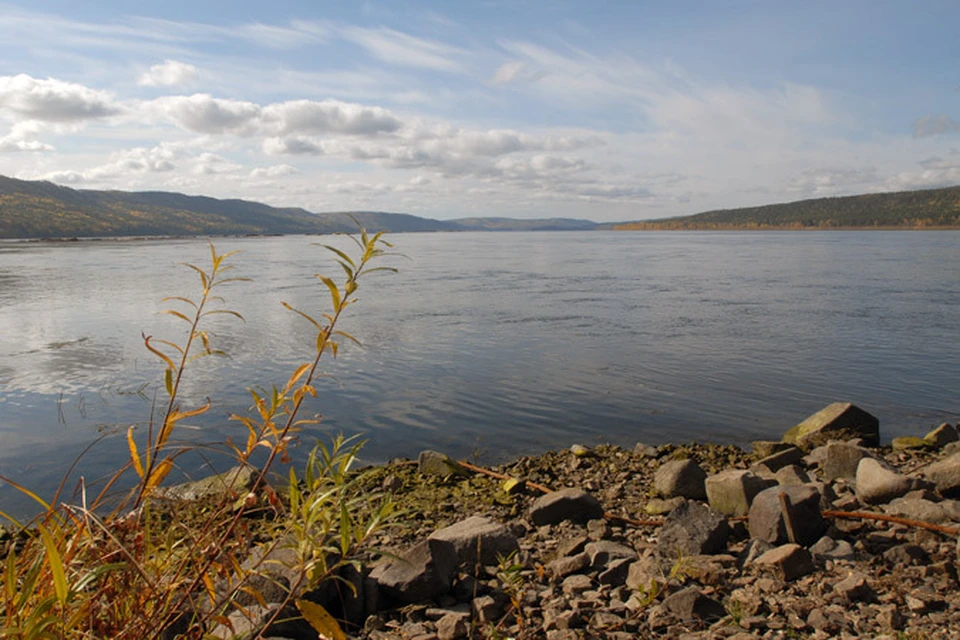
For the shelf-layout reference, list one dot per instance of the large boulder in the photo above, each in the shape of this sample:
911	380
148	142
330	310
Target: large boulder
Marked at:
789	561
942	436
480	535
680	478
838	421
766	520
424	572
878	484
945	474
841	459
693	529
731	491
574	505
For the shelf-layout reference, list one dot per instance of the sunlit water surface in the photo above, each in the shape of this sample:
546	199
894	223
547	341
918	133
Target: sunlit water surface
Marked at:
494	344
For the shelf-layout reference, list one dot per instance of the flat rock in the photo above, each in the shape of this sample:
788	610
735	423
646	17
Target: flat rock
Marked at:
573	505
731	491
785	457
766	518
567	565
435	463
693	529
945	474
838	421
793	474
905	443
680	478
237	480
603	552
879	484
661	507
828	548
789	561
490	538
425	571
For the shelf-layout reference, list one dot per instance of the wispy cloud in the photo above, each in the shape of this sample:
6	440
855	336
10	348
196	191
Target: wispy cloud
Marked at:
397	48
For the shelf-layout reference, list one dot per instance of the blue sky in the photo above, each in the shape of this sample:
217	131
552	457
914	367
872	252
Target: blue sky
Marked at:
600	110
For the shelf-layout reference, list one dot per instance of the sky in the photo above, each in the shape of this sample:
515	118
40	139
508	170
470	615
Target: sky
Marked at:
601	110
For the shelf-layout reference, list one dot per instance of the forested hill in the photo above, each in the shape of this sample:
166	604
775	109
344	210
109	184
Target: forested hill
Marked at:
30	209
930	208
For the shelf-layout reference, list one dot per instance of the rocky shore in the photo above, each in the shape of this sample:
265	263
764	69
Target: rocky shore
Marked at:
824	534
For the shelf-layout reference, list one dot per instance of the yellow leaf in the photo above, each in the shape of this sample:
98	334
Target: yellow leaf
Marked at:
320	620
134	454
159	473
334	291
302	369
56	565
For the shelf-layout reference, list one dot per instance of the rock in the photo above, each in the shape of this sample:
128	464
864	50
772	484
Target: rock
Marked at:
905	443
754	549
789	561
682	478
841	460
580	451
693	529
434	463
615	572
487	610
513	486
731	491
766	448
453	626
918	509
878	484
766	518
391	483
491	538
598	529
785	457
660	507
905	555
645	450
562	567
237	481
942	436
690	603
855	588
572	545
945	474
642	573
829	548
574	505
793	474
422	573
603	552
838	421
576	584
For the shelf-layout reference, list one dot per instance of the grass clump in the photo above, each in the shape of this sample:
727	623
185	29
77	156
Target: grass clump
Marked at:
143	565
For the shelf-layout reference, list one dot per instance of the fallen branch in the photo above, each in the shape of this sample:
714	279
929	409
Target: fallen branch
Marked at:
866	515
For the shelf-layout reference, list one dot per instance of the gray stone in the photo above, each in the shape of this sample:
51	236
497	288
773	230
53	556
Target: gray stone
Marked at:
838	421
423	572
434	463
878	484
841	460
645	450
487	610
766	518
731	491
693	529
950	449
477	533
574	505
754	549
793	474
789	561
855	588
453	626
576	584
604	551
776	461
831	549
683	478
615	572
691	603
942	436
945	474
642	573
562	567
904	555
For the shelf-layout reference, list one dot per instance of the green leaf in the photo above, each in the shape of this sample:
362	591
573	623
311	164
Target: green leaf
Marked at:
56	565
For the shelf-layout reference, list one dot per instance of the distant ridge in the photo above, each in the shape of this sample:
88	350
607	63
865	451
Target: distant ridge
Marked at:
928	208
40	209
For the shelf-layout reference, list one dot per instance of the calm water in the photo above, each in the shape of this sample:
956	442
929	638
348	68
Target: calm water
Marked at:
497	344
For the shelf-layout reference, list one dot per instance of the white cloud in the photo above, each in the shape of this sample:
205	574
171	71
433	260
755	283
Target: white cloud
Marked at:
328	116
203	113
273	171
53	100
835	181
169	74
395	47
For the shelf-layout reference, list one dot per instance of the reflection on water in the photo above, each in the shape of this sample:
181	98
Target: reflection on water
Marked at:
506	343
